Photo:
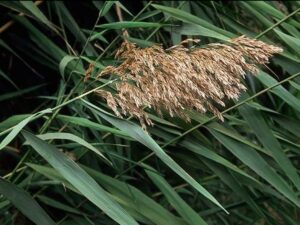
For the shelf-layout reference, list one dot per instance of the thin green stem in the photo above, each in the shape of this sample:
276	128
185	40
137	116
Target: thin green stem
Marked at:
277	24
48	122
229	109
40	113
211	119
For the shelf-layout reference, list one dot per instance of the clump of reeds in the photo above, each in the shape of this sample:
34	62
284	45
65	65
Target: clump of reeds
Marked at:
180	79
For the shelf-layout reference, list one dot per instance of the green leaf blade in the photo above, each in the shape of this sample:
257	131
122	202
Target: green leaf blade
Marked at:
80	179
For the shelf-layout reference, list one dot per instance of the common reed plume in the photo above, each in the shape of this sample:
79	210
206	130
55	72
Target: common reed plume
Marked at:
180	79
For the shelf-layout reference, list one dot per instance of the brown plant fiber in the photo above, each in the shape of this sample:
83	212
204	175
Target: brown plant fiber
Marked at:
180	79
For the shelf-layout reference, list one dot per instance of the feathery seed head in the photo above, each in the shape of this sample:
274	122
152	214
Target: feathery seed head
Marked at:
180	79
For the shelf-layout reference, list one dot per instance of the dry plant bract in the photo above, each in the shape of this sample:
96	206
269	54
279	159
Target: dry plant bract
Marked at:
180	79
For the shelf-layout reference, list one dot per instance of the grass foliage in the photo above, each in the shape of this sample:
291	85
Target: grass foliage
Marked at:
72	161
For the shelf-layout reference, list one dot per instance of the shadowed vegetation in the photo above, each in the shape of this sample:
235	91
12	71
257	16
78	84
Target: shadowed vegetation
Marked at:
66	158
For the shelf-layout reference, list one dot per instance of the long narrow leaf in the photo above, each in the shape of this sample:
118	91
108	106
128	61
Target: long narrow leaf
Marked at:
25	203
141	136
80	180
176	201
252	159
